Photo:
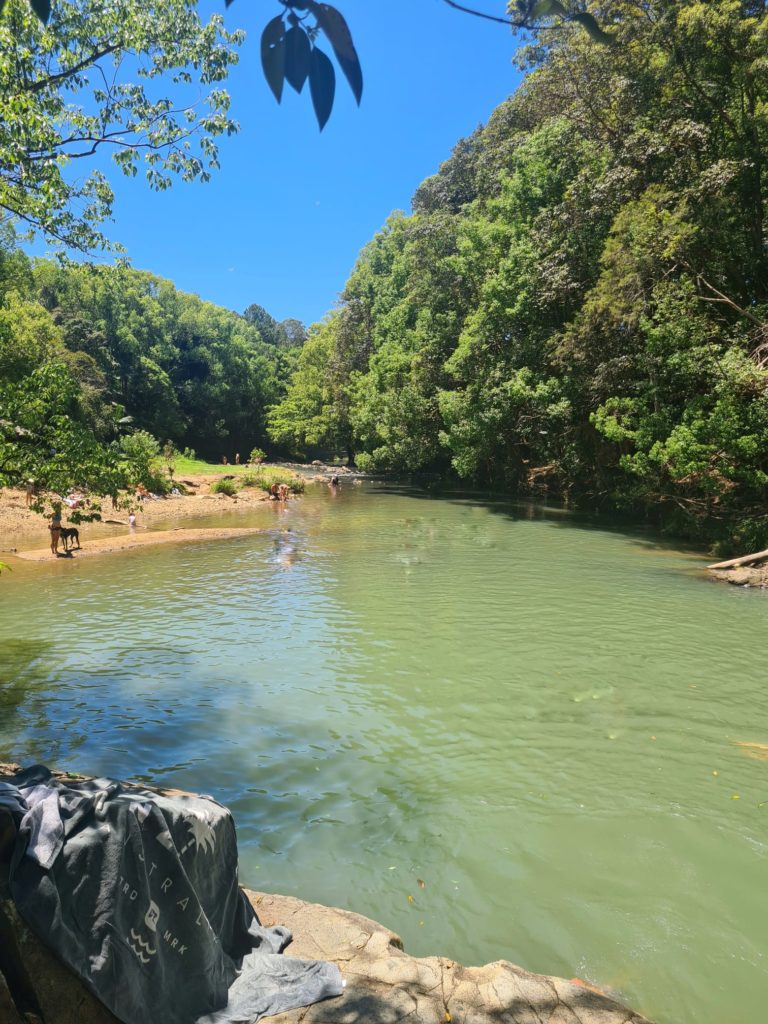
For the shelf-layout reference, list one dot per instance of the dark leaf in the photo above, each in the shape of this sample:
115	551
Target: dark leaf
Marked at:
2	5
273	55
42	9
590	26
546	8
298	54
337	31
322	86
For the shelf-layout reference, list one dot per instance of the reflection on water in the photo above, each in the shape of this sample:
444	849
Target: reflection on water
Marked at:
543	720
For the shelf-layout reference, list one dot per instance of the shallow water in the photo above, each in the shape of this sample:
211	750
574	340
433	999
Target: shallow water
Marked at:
527	724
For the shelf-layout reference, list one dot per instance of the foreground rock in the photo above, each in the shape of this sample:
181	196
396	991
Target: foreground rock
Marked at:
384	984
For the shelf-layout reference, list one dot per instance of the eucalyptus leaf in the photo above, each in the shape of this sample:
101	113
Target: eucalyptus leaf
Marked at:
546	9
322	86
591	27
42	9
336	29
273	55
298	54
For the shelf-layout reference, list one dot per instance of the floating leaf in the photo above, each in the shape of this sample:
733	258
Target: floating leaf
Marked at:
410	899
298	56
273	55
322	86
735	797
422	883
759	751
42	9
336	29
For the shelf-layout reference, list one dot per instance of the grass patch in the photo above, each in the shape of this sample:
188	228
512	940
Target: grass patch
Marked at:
197	467
265	476
228	487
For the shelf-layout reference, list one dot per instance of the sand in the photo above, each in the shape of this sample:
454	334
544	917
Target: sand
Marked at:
108	545
24	534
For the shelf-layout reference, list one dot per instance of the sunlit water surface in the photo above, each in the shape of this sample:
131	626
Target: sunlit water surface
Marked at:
501	732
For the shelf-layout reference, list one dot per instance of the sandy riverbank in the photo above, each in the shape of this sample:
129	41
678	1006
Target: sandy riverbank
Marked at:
24	533
134	539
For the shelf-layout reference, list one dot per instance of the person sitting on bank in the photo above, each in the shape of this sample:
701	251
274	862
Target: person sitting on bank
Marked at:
55	527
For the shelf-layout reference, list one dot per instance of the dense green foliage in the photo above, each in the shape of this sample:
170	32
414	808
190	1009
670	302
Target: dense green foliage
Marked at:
99	365
579	300
137	78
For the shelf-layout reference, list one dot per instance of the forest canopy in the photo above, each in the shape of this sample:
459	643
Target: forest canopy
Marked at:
91	356
578	300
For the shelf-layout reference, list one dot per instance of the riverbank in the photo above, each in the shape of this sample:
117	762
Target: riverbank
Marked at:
24	532
109	545
746	571
747	576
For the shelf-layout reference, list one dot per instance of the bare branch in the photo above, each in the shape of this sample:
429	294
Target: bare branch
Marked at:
719	297
62	76
486	17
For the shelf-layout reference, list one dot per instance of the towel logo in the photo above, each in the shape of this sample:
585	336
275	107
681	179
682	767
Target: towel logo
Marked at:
202	831
152	916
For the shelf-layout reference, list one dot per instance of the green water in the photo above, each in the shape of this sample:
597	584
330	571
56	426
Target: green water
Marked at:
537	718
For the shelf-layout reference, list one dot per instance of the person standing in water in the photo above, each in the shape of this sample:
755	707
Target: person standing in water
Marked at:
55	527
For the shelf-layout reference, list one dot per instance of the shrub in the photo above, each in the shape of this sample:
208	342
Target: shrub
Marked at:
142	451
227	487
265	476
257	455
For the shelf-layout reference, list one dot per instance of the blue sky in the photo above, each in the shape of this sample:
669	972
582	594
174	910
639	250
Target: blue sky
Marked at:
282	222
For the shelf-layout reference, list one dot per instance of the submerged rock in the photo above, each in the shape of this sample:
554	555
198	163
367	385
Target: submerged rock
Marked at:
384	984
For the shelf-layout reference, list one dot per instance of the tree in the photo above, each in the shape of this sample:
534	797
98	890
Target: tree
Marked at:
91	80
579	300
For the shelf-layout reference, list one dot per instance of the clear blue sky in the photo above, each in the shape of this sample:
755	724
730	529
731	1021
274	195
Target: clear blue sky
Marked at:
282	222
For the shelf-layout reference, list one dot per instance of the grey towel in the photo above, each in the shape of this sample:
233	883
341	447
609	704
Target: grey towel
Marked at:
138	893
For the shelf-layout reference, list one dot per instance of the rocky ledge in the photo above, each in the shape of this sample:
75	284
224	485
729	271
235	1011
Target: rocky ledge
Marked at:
746	571
384	984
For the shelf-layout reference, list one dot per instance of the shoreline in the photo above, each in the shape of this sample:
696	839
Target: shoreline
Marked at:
753	577
24	534
110	545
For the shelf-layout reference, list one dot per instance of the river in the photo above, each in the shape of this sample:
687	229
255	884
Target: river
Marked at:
500	730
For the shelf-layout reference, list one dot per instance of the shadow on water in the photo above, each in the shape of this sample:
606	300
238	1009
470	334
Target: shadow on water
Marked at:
553	512
285	773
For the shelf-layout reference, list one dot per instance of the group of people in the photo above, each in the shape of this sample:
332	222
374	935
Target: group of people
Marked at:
279	492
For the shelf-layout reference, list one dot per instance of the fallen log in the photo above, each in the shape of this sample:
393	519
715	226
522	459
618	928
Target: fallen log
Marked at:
736	563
